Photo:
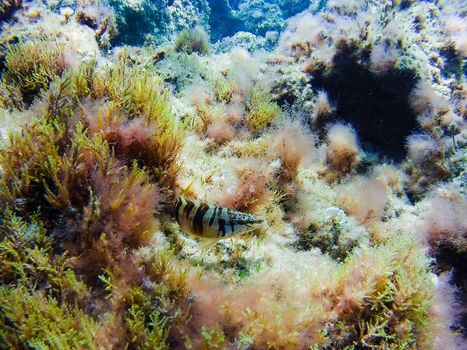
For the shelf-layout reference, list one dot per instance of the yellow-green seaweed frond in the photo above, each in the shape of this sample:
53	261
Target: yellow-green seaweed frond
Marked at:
193	40
138	120
262	112
31	65
33	320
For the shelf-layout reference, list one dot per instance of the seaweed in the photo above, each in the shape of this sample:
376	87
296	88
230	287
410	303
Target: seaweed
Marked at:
136	120
93	155
395	310
31	65
39	288
193	40
40	322
262	111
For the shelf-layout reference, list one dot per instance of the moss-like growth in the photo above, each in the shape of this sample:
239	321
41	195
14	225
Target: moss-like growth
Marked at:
58	101
137	119
145	334
101	18
213	338
106	206
194	40
341	153
31	65
262	112
10	96
427	162
147	312
85	80
27	258
22	158
80	190
395	308
40	322
293	145
41	297
337	237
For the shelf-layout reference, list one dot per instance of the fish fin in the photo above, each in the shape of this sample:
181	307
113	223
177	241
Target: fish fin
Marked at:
262	229
188	191
257	229
207	244
209	177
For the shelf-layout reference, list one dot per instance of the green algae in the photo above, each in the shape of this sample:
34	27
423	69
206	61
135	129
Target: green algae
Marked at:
90	256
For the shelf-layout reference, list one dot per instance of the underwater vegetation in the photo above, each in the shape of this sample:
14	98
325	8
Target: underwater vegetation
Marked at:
322	144
193	40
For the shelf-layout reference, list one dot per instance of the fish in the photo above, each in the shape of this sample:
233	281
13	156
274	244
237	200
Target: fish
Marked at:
212	223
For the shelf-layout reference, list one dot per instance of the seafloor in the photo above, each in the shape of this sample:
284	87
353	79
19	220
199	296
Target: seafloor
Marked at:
342	124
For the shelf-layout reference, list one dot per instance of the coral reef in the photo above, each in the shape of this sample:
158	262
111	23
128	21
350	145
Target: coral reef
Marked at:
347	136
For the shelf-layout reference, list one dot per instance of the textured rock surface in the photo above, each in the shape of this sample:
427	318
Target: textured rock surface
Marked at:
161	19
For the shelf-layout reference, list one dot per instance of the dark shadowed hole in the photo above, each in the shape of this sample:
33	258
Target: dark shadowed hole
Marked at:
454	64
449	260
376	105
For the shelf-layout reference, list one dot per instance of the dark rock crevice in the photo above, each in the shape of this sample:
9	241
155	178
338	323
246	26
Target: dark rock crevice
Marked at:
451	261
376	105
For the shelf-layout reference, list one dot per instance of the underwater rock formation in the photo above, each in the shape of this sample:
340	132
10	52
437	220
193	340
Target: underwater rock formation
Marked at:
163	19
8	8
159	19
361	96
347	136
254	16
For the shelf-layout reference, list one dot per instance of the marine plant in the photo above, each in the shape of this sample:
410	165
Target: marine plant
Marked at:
396	303
193	40
136	118
337	237
91	257
444	222
220	130
80	190
94	189
100	17
293	145
31	65
39	288
261	111
322	111
363	198
427	161
22	163
342	151
99	211
43	322
10	96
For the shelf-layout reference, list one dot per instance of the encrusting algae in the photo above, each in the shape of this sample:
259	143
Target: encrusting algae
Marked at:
348	212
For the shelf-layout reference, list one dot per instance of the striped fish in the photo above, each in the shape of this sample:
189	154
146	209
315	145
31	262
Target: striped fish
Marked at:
211	222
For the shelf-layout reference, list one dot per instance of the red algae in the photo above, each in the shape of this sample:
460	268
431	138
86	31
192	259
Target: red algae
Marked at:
341	125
